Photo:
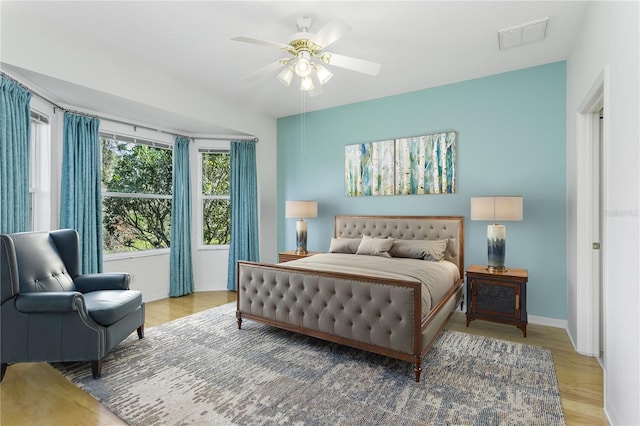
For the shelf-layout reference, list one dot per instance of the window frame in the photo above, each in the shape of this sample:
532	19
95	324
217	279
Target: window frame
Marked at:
144	140
204	147
39	170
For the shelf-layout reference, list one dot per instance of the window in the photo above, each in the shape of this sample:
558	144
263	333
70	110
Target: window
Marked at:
39	173
136	191
216	203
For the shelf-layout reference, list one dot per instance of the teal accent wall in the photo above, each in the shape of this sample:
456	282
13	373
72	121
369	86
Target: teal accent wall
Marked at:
511	141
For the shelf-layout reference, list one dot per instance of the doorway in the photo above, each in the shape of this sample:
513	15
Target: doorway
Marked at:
596	230
590	303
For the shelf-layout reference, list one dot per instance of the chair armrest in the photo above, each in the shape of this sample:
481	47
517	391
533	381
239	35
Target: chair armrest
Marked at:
92	282
62	301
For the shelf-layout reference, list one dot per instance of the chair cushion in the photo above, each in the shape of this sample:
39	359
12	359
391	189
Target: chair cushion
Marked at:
109	306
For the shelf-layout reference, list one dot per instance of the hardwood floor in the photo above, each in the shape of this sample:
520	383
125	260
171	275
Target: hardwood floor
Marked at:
36	394
579	376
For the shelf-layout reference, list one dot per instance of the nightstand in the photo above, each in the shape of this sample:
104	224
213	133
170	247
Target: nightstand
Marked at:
497	296
287	256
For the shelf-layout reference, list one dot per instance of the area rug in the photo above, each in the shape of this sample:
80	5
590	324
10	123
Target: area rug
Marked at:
202	370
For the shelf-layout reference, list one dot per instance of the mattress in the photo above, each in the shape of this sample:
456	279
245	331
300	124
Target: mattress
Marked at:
436	277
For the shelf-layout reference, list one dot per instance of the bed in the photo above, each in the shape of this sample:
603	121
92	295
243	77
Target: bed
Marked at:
365	301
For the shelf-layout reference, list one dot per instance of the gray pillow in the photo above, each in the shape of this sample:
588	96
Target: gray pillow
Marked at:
420	249
375	246
344	245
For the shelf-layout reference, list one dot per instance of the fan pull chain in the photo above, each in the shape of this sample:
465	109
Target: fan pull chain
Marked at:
303	131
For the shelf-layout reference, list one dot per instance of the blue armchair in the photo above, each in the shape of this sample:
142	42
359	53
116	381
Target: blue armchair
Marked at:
49	312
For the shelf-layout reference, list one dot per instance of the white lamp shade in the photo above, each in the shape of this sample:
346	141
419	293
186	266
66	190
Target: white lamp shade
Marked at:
303	66
324	75
306	84
496	209
301	209
285	76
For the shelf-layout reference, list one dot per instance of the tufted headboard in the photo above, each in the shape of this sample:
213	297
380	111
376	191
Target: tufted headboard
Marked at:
408	228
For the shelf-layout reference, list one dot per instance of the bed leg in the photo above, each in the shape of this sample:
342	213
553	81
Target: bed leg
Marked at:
417	367
239	318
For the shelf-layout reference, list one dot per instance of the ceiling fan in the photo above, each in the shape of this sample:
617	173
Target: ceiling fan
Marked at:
307	56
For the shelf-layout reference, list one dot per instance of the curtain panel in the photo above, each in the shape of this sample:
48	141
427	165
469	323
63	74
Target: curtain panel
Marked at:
15	138
244	208
181	267
81	192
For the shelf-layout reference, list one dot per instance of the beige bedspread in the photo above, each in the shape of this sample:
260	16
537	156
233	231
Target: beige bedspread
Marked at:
436	277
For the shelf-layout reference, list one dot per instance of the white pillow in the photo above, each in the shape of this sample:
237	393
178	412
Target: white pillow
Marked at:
344	245
432	250
375	246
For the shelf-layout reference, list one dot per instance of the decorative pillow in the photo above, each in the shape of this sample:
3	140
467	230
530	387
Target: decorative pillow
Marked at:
375	246
419	249
344	245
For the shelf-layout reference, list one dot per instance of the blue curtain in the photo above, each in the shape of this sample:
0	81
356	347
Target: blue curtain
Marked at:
15	136
180	267
81	193
244	208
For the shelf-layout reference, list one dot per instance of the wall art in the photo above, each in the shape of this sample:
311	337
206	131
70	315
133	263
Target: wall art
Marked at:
403	166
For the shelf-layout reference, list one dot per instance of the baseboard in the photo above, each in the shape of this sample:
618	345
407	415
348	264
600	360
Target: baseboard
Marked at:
549	322
534	319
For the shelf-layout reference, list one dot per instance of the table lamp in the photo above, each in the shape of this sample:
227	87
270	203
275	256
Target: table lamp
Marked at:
301	210
496	209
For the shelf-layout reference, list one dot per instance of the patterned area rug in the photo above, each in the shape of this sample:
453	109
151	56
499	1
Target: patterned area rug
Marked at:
202	370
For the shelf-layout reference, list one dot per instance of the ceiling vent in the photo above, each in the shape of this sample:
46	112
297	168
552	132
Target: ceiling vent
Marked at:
522	34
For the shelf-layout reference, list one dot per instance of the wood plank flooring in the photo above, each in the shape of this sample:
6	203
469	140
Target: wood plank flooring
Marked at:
579	376
36	394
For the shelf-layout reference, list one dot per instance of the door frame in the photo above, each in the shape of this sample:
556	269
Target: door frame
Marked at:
588	290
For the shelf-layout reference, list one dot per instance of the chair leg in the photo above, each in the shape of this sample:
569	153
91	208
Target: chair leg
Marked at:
96	368
3	369
141	331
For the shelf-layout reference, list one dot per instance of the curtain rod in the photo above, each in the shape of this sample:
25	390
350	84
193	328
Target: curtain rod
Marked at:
16	82
233	138
135	126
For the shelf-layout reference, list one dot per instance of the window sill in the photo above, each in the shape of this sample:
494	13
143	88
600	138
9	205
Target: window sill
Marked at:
136	254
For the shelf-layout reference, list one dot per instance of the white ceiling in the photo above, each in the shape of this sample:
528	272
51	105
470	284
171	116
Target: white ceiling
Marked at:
420	44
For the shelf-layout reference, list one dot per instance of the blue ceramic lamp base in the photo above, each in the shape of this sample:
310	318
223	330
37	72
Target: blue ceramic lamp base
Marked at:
301	237
496	248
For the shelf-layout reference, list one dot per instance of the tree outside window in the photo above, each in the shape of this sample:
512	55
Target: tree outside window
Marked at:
136	184
216	203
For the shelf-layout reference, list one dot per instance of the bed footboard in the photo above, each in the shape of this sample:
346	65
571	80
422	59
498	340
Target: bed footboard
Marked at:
381	316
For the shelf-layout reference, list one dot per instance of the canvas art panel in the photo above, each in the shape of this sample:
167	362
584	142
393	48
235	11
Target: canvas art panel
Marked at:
403	166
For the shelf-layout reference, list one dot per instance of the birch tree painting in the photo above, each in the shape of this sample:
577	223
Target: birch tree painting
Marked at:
369	169
426	164
405	166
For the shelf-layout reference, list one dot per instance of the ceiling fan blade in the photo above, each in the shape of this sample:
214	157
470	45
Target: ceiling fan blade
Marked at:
330	33
264	70
354	64
262	42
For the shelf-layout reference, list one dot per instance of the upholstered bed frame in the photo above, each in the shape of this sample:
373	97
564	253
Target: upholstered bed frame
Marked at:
379	315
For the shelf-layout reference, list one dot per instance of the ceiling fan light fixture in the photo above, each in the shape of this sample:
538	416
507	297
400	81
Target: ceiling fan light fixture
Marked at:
323	74
302	47
306	84
303	66
286	76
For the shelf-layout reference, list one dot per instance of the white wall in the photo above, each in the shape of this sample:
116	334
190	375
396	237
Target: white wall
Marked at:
149	274
607	45
48	53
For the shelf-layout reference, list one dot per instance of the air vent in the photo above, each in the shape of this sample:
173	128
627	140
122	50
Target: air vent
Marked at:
522	34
